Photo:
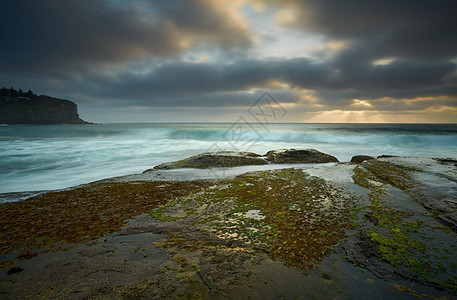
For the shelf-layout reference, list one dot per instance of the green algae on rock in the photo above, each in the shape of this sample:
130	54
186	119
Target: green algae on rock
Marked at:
216	159
287	214
295	156
358	159
235	159
53	219
266	234
402	236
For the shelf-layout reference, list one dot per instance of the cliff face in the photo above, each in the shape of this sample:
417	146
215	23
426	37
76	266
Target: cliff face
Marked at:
35	109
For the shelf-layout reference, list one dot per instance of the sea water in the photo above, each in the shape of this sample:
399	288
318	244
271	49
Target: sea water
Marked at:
44	157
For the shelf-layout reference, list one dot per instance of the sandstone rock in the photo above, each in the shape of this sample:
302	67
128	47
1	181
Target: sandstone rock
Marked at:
215	159
291	156
358	159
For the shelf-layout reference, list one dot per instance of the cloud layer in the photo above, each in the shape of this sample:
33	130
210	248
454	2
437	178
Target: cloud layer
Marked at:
383	56
63	36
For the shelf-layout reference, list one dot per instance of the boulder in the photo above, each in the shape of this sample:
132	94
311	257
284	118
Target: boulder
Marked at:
215	159
296	156
358	159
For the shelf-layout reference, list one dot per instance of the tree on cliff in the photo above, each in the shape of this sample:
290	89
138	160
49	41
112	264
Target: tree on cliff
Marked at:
19	93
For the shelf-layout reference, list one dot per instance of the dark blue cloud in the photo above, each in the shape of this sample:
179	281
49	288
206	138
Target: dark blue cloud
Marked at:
57	37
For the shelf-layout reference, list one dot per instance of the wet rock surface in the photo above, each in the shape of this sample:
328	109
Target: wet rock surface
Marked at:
290	156
358	159
234	159
380	229
214	160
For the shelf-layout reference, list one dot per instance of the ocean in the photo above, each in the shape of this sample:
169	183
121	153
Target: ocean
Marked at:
46	157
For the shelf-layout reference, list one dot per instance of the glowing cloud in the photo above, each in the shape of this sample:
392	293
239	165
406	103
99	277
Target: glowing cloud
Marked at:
347	116
361	103
336	46
383	61
285	16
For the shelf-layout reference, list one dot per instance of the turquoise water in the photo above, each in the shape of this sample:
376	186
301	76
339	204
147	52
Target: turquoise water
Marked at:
42	157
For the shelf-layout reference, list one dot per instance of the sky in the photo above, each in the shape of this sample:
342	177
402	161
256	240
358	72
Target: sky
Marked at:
380	61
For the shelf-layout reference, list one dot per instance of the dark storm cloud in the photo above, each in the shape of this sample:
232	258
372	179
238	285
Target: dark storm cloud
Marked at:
119	54
215	99
181	83
421	29
185	80
402	74
53	36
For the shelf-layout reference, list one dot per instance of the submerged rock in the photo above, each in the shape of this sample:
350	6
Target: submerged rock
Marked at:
358	159
216	159
291	156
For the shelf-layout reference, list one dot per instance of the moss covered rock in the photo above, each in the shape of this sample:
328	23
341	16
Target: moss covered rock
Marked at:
216	159
296	156
358	159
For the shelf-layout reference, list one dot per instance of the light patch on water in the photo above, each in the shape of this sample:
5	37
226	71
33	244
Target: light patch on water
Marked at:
428	165
340	173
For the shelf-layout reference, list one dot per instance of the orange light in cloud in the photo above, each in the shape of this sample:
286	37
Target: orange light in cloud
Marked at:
336	46
441	114
383	61
361	103
286	16
442	108
347	116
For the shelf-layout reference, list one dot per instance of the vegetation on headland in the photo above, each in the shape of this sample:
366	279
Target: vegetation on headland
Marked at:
11	92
